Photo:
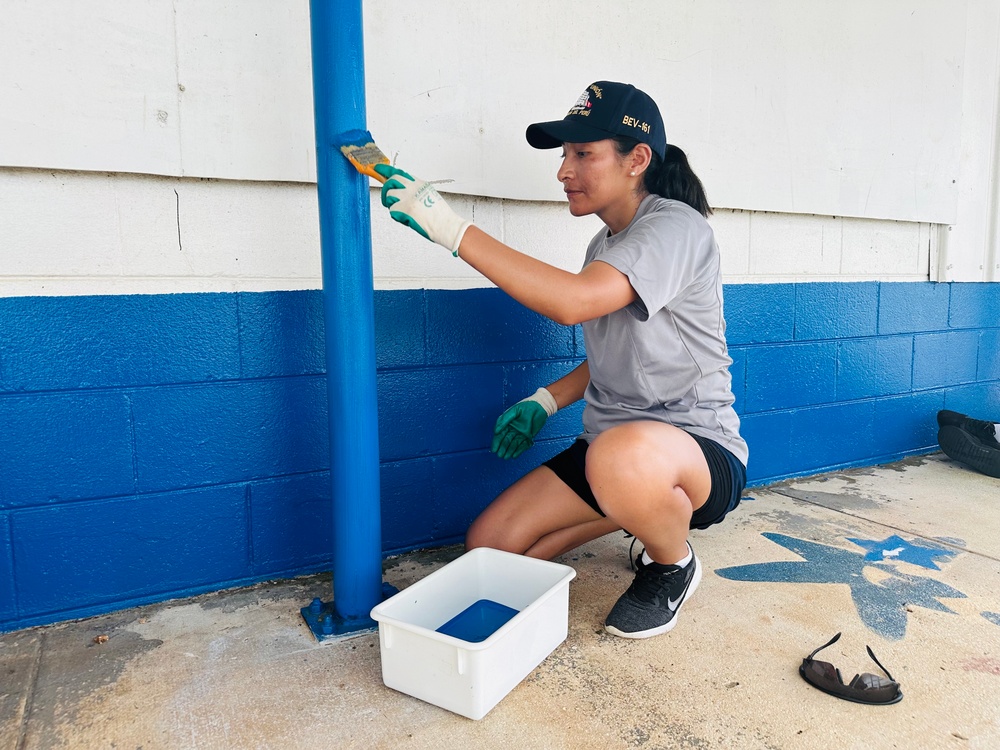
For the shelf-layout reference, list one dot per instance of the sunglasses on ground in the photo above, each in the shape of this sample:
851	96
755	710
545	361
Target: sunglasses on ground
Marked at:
864	688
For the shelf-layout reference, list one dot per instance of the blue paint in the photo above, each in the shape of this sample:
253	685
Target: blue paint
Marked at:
874	367
215	406
755	315
993	617
971	303
8	600
791	375
327	623
826	310
978	398
738	375
498	332
478	621
833	433
952	540
989	356
61	447
945	358
281	335
913	308
128	548
70	343
881	606
894	548
291	523
351	137
337	37
903	421
193	436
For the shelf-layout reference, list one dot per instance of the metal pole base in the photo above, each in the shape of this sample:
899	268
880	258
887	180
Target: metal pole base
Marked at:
328	625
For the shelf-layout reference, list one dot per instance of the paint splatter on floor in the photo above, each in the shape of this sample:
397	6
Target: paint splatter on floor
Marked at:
882	606
985	664
896	548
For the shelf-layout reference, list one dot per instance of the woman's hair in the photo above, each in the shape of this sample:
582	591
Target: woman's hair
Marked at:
670	177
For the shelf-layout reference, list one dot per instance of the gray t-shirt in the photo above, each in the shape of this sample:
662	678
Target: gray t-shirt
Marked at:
663	357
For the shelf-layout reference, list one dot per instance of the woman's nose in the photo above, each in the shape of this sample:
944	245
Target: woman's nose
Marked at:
563	174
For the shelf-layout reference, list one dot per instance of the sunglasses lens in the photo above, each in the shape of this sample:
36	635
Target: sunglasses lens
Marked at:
823	672
872	682
874	689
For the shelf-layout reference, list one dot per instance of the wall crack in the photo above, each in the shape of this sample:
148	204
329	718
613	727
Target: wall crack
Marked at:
177	212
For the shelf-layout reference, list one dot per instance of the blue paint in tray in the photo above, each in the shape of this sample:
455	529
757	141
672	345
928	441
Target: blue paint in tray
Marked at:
478	621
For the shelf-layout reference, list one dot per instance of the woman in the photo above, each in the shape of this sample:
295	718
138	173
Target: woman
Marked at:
661	451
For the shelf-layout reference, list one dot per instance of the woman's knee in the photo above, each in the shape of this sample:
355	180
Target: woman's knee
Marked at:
630	462
623	453
482	533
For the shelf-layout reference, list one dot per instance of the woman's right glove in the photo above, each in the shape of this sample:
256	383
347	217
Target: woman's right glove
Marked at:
417	204
516	428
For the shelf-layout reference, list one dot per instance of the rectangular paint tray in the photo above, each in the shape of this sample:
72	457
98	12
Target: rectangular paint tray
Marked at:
467	634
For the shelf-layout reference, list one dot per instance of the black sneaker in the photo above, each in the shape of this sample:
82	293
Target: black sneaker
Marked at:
962	445
651	604
985	432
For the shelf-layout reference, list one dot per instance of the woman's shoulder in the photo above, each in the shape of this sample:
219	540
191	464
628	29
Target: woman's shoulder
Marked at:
659	206
667	214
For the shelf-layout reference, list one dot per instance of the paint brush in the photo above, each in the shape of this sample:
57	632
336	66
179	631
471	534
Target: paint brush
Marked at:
360	149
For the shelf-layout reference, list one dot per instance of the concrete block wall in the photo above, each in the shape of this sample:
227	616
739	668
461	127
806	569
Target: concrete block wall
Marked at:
161	445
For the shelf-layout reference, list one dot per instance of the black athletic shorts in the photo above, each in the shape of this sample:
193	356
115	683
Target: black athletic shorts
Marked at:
729	477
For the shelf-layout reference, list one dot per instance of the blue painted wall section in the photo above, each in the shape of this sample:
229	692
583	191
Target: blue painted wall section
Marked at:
158	446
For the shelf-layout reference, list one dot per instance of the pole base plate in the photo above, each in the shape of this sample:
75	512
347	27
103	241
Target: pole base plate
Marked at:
327	624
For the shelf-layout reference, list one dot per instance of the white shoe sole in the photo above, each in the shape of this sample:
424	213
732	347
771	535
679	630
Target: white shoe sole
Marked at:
666	628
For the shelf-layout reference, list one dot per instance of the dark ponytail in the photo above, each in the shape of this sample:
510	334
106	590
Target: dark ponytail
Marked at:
670	177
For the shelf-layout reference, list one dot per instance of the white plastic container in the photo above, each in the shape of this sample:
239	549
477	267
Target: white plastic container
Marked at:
465	677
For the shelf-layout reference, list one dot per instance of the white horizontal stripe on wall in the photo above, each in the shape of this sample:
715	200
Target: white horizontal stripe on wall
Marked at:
75	233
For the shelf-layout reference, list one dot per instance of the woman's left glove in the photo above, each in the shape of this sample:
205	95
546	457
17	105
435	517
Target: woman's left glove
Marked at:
418	205
515	430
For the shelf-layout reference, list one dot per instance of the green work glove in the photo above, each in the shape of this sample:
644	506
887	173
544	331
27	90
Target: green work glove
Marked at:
418	205
516	428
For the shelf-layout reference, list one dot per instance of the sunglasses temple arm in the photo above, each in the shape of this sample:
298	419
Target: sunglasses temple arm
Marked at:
830	643
872	655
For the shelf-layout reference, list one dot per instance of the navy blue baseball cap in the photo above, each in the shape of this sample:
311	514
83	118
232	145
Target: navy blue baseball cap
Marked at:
605	110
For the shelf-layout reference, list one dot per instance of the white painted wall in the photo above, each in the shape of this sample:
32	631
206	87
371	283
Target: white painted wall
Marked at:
66	233
171	87
99	98
799	106
971	246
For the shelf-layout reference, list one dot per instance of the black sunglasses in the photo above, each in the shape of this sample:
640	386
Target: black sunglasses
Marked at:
864	688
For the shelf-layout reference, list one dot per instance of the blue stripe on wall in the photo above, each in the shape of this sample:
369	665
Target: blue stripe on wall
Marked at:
159	446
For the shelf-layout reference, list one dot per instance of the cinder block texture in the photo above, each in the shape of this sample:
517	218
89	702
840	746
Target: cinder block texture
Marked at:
60	447
8	601
82	555
159	445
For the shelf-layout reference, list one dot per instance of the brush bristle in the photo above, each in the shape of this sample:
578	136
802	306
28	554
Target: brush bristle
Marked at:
364	157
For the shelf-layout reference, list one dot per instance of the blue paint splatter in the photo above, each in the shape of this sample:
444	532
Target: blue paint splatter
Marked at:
993	617
896	548
881	606
953	541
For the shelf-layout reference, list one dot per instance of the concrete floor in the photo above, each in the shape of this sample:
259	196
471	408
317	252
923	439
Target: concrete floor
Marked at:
904	558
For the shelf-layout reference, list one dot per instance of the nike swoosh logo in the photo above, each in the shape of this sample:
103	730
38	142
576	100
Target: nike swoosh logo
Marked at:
673	604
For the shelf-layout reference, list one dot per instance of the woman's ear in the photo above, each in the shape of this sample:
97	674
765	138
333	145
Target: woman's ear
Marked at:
641	156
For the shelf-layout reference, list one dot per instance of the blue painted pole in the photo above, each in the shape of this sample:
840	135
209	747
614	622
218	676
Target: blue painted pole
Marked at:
348	307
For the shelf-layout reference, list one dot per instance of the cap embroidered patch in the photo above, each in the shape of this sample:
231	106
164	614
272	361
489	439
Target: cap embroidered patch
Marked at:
611	109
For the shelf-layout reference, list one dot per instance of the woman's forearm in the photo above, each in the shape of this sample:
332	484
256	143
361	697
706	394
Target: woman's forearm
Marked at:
567	298
570	388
